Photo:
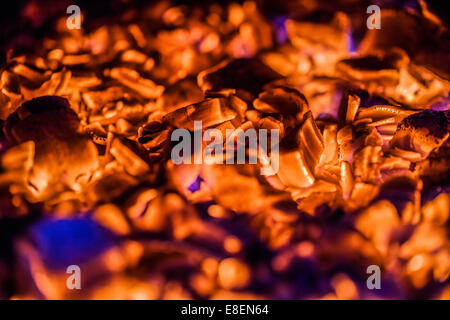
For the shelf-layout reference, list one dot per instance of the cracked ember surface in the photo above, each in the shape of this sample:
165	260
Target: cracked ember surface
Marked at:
87	179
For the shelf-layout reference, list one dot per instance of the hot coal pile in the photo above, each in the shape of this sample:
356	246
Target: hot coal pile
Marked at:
363	116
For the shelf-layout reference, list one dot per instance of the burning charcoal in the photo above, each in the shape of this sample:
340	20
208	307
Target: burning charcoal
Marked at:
9	103
137	204
325	44
76	59
211	112
282	100
419	87
434	170
310	141
249	75
426	262
187	180
346	180
434	10
391	75
237	187
95	100
131	156
382	118
17	163
112	184
424	39
361	172
346	143
54	86
180	94
233	274
324	96
287	61
374	67
34	76
136	113
152	212
254	34
404	193
63	157
422	132
270	123
377	223
294	171
330	145
351	109
184	52
111	217
134	56
10	96
155	140
437	211
366	163
405	30
379	112
83	81
310	198
132	80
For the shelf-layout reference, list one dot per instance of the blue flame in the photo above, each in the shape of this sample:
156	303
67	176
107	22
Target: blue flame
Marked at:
195	186
64	242
280	29
351	43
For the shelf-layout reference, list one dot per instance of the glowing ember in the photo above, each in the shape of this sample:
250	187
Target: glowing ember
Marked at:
87	177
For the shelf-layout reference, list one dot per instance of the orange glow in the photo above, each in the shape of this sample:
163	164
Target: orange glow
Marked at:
88	120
